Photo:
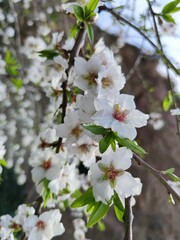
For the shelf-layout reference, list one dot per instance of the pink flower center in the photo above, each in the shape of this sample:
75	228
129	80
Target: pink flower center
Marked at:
40	225
76	131
118	114
112	173
47	164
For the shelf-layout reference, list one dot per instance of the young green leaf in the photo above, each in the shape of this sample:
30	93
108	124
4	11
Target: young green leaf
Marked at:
3	163
130	144
86	198
170	173
118	207
46	195
79	13
105	142
99	211
97	130
48	53
168	101
90	32
170	6
168	18
101	226
17	82
74	30
76	194
92	4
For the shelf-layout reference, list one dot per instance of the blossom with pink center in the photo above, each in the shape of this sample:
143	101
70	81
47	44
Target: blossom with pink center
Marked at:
109	175
87	73
44	227
119	114
46	165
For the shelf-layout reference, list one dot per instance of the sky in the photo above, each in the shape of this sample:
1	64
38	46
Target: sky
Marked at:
170	36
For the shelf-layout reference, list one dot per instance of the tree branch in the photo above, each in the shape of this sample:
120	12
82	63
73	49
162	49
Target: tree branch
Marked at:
158	175
75	52
158	50
168	76
128	219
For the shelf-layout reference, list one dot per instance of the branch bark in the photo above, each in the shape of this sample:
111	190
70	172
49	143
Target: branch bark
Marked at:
75	52
158	175
128	219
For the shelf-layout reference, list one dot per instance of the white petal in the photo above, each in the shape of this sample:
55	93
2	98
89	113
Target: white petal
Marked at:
94	173
102	191
124	130
127	185
38	174
62	131
137	118
126	102
80	65
122	158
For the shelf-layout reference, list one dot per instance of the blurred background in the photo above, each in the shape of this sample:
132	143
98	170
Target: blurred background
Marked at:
26	26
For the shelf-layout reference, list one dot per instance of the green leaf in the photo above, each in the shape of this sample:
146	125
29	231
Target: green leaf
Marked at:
3	163
46	195
74	30
98	130
92	4
90	32
118	208
170	6
105	142
12	67
113	145
99	211
170	173
48	53
131	145
86	198
168	101
76	194
177	9
79	13
17	82
101	226
168	18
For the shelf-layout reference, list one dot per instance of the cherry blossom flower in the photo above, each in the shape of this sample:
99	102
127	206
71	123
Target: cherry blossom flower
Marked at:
120	115
109	174
44	227
110	81
87	73
85	149
46	165
68	179
7	226
71	128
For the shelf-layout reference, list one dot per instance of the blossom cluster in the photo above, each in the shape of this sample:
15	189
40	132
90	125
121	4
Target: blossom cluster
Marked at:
45	226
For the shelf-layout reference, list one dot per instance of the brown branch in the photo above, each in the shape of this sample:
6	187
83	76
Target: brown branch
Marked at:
158	50
158	175
128	219
75	52
168	75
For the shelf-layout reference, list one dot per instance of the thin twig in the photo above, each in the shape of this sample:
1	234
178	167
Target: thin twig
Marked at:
158	175
75	52
128	219
167	68
158	50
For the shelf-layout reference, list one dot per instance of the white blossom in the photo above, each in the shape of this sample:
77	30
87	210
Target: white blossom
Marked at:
120	115
109	174
44	227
